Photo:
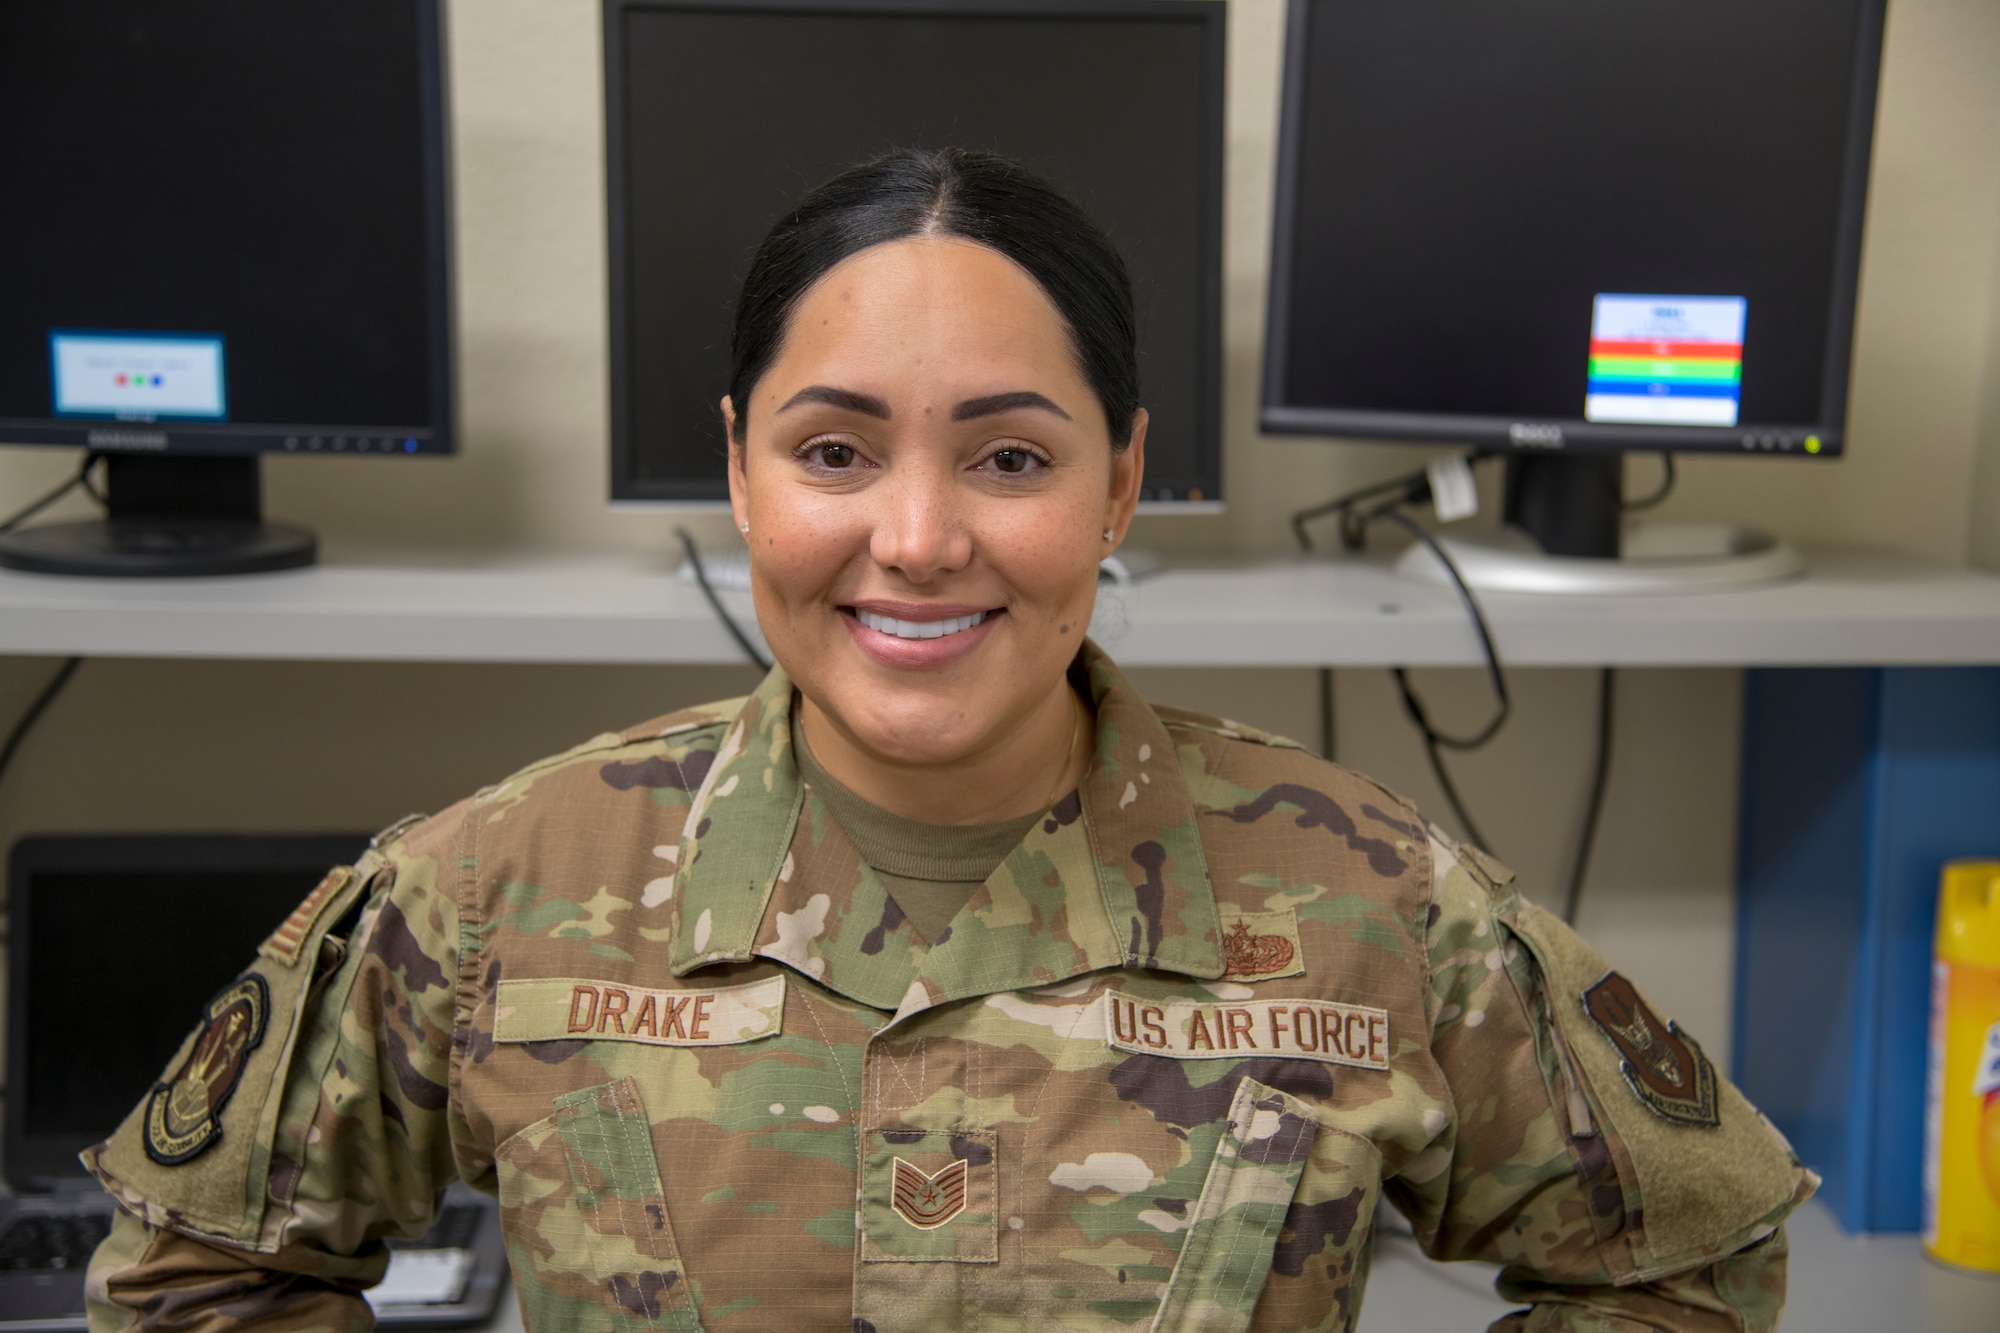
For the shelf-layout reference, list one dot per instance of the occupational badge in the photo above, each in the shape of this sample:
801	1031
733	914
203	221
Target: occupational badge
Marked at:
927	1202
1260	945
183	1113
1666	1070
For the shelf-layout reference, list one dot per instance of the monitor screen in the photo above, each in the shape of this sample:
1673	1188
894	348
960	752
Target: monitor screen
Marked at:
721	113
165	923
1571	224
226	226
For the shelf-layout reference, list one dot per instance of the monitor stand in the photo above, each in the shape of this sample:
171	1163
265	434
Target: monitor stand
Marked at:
167	517
1565	532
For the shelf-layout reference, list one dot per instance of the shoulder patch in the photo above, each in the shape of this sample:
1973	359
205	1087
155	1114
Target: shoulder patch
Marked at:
1664	1068
184	1114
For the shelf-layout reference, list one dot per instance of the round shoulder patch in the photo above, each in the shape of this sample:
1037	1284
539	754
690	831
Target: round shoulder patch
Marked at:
183	1114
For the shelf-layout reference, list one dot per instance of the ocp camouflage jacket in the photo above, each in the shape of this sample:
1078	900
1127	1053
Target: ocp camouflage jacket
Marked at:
1155	1075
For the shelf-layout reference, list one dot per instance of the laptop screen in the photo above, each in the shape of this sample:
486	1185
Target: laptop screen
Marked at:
115	944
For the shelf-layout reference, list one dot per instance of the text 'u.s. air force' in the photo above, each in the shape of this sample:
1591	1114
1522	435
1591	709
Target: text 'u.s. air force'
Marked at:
1341	1034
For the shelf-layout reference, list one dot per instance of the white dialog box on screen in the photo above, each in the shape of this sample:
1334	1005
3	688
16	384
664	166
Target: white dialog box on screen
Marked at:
1666	360
138	376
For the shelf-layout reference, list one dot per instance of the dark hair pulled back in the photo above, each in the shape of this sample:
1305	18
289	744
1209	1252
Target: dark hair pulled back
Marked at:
981	197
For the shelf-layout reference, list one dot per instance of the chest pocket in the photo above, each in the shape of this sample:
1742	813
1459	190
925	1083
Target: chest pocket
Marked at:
586	1218
1251	1222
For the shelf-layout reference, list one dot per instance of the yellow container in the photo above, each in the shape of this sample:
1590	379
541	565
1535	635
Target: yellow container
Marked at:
1962	1124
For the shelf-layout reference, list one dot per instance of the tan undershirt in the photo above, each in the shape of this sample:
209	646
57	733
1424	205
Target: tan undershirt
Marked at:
931	870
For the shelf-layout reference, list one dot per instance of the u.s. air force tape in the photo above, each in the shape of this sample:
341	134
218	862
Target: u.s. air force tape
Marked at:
1340	1034
577	1009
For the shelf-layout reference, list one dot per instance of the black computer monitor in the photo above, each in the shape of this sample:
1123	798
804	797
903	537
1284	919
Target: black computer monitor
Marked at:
226	234
719	112
1570	228
114	943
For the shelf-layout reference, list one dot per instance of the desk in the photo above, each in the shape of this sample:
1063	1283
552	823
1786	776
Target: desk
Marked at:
1855	609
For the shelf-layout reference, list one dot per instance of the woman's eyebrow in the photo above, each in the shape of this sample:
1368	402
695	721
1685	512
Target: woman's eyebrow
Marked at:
866	404
995	403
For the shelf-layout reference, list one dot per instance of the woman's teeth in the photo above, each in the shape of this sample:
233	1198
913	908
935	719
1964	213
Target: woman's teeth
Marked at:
918	629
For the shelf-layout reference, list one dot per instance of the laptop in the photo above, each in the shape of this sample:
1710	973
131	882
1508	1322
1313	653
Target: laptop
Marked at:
114	943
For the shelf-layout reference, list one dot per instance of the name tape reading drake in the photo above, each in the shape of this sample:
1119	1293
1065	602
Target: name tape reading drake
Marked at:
1340	1034
570	1009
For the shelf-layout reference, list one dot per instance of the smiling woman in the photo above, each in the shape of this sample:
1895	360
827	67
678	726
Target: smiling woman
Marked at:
943	981
930	456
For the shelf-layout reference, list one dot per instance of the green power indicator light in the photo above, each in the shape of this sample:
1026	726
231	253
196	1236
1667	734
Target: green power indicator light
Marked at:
1812	444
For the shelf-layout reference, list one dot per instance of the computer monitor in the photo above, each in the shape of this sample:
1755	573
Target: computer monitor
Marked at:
720	112
226	235
114	943
1562	229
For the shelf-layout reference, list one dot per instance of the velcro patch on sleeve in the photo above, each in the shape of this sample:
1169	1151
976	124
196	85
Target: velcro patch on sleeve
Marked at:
574	1009
1337	1034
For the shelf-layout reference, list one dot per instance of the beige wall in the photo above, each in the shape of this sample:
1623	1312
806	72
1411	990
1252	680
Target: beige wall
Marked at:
155	745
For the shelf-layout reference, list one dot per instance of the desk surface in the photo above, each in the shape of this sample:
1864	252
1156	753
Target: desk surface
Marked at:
1853	608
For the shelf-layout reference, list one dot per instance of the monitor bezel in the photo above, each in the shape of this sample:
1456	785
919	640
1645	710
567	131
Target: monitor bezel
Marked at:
35	1161
110	434
1528	434
629	491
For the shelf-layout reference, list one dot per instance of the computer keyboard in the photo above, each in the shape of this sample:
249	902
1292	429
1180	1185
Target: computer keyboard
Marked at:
45	1240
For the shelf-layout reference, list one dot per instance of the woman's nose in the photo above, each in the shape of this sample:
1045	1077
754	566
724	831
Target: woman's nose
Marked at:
920	529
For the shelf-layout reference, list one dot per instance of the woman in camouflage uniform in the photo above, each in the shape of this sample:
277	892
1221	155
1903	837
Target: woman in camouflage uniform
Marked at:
943	982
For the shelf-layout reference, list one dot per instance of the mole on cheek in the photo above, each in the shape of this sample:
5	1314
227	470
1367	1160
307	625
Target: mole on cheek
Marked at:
1064	629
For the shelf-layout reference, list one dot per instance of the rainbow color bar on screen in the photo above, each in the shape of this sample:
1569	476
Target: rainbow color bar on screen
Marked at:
1666	360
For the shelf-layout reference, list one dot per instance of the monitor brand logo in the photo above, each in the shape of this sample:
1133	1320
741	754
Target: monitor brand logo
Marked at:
1535	437
128	439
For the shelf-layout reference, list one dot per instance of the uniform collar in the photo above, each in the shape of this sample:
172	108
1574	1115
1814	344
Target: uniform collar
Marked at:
1114	877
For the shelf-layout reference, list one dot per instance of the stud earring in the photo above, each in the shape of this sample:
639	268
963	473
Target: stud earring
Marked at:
1107	534
744	526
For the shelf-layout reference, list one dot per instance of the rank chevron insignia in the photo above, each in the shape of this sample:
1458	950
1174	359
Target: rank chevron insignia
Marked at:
928	1202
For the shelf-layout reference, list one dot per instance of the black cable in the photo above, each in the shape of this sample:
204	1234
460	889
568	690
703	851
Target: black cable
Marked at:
1493	672
81	477
743	640
1600	773
1413	488
1666	488
1413	708
35	710
1326	714
1413	704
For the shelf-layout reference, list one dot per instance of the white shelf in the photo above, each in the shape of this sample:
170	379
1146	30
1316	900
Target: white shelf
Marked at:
1852	609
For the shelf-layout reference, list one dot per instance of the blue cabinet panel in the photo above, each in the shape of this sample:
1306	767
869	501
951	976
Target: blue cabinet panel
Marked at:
1858	785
